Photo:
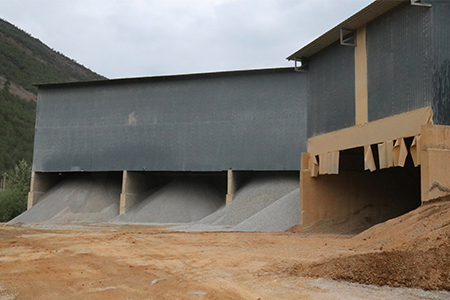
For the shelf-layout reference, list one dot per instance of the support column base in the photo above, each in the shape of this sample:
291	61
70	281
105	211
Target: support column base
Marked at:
33	198
126	202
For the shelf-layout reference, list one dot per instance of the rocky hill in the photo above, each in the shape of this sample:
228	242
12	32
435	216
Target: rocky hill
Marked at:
25	61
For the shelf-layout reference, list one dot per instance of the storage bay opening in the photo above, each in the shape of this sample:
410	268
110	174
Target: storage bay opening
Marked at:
356	199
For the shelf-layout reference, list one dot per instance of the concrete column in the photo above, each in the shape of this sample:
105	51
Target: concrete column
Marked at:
133	184
435	161
231	187
361	90
40	184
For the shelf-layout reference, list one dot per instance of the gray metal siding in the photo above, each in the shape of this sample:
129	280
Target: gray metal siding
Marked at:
331	90
441	62
254	121
399	61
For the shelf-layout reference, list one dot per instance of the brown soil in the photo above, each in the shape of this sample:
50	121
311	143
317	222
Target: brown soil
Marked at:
149	262
17	90
144	262
426	270
412	250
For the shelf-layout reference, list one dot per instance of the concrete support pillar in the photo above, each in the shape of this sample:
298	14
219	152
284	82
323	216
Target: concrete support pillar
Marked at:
133	184
361	90
40	184
435	161
231	186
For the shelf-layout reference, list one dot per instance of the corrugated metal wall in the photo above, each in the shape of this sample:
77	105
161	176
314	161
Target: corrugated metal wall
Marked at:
441	62
398	61
207	122
331	90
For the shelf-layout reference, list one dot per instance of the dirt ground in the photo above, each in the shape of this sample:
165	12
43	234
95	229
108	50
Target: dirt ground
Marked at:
151	262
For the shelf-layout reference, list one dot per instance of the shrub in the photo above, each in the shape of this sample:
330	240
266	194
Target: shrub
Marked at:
12	204
13	201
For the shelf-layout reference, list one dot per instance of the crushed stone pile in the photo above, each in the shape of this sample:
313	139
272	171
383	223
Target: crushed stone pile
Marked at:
256	195
266	204
90	199
180	201
278	216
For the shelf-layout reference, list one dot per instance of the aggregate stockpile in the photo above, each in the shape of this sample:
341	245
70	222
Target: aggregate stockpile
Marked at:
263	203
180	201
81	198
266	203
412	250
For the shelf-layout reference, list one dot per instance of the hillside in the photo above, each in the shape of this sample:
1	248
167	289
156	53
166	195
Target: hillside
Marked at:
25	61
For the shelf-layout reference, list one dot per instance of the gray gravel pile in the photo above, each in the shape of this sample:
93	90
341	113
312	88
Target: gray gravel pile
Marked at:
277	217
180	201
215	216
266	204
89	199
256	195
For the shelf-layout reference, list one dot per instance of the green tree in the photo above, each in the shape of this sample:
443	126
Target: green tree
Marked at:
13	200
19	178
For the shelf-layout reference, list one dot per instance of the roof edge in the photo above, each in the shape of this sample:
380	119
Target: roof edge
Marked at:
161	77
364	16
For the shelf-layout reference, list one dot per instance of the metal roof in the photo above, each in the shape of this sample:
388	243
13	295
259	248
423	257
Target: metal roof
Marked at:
164	77
364	16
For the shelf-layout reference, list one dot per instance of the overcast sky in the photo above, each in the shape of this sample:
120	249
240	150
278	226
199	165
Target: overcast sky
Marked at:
134	38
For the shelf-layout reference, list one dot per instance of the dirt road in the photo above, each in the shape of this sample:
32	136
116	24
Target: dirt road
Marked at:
148	262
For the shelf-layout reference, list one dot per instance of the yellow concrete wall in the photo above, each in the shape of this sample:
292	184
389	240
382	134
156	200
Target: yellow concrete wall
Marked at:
337	197
435	159
40	184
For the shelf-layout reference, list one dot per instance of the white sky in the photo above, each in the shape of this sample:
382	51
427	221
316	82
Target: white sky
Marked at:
134	38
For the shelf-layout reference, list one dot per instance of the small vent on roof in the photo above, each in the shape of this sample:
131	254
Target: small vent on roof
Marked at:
419	3
301	64
348	37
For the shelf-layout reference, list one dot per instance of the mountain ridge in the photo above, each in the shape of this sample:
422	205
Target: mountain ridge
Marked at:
24	62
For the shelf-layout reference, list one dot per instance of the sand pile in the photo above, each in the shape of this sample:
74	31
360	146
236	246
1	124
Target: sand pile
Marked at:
180	201
77	199
412	250
422	229
266	203
361	220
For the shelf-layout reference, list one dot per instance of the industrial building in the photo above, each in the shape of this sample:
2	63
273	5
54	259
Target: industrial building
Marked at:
378	112
365	112
225	127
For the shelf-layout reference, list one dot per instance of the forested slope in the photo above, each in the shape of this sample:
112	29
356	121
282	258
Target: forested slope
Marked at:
25	61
